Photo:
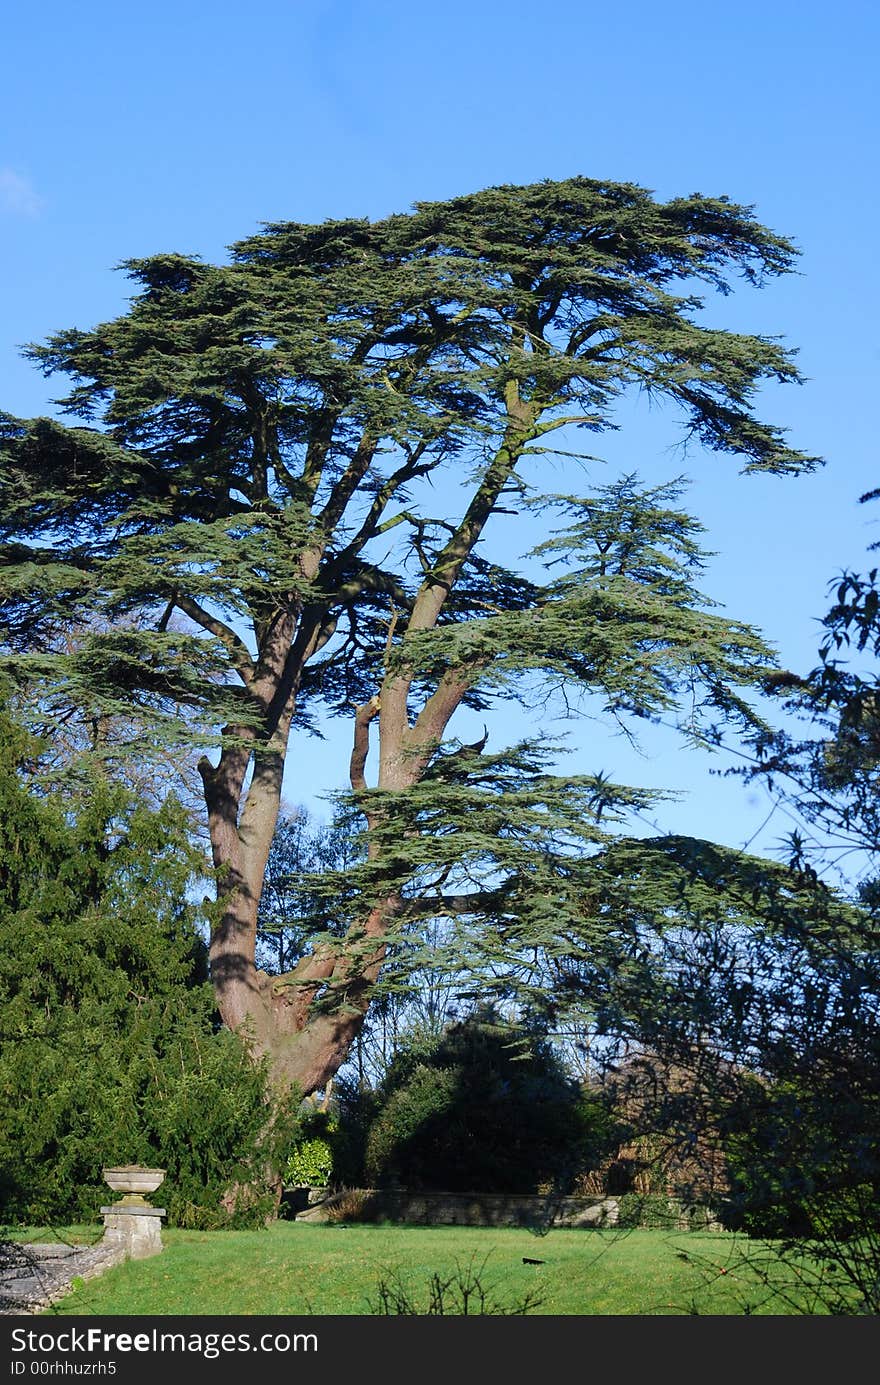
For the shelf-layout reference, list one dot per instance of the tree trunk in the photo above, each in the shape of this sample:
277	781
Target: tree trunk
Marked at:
306	1021
304	1043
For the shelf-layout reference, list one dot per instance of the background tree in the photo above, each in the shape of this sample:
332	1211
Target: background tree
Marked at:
762	1050
253	458
487	1106
824	764
750	1003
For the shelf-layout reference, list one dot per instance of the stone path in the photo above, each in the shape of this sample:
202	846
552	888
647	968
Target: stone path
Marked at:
33	1277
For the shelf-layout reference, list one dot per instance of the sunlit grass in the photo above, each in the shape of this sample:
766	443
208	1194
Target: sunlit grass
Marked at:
299	1269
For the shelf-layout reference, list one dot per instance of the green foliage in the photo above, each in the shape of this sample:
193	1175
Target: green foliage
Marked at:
243	495
110	1051
764	1045
169	1093
310	1165
232	423
803	1151
486	1107
803	1122
208	1115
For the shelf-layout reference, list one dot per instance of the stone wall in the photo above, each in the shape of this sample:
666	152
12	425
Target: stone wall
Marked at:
461	1209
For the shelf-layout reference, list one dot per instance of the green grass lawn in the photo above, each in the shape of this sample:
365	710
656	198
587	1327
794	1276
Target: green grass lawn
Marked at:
301	1269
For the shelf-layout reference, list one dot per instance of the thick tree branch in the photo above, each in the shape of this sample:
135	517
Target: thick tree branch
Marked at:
363	716
457	550
434	717
454	905
243	663
349	481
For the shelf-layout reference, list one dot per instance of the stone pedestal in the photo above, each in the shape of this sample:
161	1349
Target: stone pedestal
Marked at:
135	1228
132	1226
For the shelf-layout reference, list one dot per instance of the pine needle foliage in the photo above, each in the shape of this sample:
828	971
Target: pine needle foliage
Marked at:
238	513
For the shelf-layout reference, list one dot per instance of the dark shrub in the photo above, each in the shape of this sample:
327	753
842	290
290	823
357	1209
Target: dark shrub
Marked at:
486	1107
803	1153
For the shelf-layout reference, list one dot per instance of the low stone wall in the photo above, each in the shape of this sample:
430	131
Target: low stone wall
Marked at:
465	1209
33	1277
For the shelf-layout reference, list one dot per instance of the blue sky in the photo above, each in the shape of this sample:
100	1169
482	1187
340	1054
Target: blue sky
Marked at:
126	130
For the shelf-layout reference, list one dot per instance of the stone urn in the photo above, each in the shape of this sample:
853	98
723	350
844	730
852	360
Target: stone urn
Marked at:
133	1181
132	1226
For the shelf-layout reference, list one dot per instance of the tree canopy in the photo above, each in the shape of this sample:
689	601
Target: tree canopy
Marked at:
241	523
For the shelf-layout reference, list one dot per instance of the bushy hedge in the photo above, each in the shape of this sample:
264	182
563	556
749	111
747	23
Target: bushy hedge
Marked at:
110	1051
170	1093
486	1107
310	1165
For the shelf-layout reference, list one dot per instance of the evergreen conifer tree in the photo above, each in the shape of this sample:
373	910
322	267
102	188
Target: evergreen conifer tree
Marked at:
240	520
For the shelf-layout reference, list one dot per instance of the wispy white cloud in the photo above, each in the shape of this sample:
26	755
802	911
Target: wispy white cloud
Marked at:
18	196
